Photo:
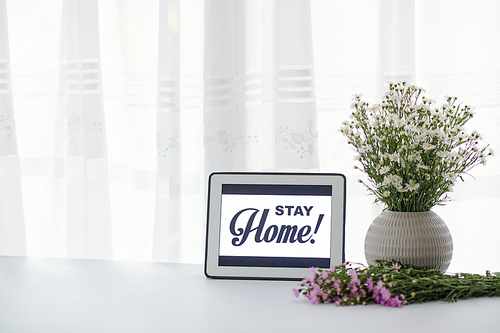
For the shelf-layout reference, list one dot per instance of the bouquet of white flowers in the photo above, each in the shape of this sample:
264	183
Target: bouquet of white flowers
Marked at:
412	151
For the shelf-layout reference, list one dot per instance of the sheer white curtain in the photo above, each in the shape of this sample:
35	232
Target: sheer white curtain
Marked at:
121	109
12	230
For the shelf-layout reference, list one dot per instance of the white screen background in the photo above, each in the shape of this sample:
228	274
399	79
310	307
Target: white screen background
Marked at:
231	204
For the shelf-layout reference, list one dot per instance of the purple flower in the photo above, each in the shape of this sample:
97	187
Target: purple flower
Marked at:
296	292
316	290
314	299
312	270
384	302
362	292
385	294
369	282
324	274
396	302
376	291
336	285
396	266
351	284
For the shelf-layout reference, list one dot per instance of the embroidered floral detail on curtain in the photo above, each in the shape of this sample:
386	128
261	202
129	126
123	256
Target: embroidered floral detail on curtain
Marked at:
7	125
301	143
228	141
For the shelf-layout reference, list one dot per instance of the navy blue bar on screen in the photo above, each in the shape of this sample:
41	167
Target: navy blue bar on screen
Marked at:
264	189
285	262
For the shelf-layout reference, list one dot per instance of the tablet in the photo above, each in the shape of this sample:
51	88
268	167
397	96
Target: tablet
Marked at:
274	225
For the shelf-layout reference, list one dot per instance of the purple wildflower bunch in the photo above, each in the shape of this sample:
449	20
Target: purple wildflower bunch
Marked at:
349	284
392	284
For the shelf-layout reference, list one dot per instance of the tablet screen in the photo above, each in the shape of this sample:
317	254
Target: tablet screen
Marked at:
275	225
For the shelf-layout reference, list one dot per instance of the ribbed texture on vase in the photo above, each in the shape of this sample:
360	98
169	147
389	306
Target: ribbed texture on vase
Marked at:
421	239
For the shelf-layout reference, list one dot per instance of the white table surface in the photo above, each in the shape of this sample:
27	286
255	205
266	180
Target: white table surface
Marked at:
70	295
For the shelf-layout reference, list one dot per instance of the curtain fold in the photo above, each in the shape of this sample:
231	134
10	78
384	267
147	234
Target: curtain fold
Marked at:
114	112
12	228
168	213
82	135
396	44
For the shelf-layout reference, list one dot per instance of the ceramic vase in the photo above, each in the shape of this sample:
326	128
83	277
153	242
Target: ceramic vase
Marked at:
421	239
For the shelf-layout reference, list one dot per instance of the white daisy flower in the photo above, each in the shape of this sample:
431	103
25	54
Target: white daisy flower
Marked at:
384	170
425	108
476	135
400	188
427	146
412	185
411	128
443	137
386	193
436	132
399	122
451	176
462	135
396	180
346	130
394	157
421	137
363	149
